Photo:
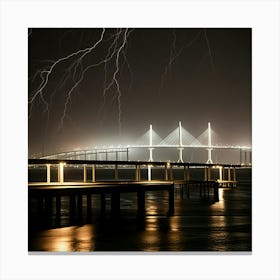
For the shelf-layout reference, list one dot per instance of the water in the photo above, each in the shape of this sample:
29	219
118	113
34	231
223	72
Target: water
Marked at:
197	225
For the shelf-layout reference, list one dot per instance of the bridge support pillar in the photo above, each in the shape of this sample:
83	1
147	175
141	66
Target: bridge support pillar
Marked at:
116	172
166	169
209	173
165	173
136	173
229	174
85	173
234	174
171	172
48	173
241	158
151	142
149	172
60	172
151	154
93	172
180	154
209	160
220	173
186	173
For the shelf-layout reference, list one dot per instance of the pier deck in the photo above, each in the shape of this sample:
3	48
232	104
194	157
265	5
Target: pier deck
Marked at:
45	192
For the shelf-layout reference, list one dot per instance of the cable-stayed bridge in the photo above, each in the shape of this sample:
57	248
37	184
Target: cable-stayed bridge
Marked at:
179	140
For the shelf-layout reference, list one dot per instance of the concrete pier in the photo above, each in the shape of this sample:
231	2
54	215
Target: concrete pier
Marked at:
48	192
77	191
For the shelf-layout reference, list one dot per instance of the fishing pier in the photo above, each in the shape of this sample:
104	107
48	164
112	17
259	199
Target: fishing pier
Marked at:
52	183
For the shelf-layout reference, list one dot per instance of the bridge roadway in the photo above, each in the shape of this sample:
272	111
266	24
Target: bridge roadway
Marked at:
44	161
188	146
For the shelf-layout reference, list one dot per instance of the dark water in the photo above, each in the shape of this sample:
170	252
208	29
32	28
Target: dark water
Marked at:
197	225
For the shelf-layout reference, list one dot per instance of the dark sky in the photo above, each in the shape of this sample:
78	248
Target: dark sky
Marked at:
209	79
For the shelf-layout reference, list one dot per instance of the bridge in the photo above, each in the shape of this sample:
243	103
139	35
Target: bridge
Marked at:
50	177
179	140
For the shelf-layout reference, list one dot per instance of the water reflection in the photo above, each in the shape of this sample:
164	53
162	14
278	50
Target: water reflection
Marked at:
175	237
226	226
219	206
151	237
67	239
198	225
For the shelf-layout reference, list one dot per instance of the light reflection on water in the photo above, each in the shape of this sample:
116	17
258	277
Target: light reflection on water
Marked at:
198	225
66	239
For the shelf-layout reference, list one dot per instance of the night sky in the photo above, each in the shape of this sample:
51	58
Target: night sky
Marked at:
165	76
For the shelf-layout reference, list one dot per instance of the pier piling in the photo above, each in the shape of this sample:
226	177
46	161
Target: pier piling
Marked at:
171	200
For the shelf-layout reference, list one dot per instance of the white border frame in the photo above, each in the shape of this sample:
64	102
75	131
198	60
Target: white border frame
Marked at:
17	16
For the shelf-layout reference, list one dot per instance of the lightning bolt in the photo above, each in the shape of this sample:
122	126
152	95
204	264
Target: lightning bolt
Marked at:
174	53
76	65
110	54
114	80
209	50
126	60
75	70
46	73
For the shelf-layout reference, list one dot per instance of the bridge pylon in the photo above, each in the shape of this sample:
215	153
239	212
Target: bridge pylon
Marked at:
180	144
209	160
151	143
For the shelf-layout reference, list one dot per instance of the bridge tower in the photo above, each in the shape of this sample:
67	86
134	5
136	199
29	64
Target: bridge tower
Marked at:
209	160
151	143
180	144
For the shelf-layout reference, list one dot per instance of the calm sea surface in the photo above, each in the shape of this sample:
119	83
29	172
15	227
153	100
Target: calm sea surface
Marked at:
197	225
